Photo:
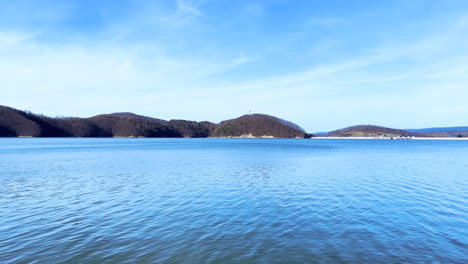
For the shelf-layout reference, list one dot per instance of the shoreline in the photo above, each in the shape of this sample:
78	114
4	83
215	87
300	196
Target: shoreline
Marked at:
415	138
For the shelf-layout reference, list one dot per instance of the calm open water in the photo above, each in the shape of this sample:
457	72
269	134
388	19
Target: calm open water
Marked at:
233	201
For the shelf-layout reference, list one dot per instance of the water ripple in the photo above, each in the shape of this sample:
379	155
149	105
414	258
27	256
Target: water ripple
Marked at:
233	201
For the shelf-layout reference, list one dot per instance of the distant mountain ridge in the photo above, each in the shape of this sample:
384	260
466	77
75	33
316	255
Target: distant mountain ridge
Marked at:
438	129
458	131
17	123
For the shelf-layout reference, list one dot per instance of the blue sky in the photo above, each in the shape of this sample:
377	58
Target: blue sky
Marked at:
321	64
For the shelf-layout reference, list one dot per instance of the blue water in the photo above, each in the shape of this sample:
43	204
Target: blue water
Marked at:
233	201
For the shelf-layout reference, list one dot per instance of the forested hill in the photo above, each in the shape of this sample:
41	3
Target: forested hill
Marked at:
17	123
259	126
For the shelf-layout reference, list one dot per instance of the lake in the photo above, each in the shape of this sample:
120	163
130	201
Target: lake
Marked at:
75	200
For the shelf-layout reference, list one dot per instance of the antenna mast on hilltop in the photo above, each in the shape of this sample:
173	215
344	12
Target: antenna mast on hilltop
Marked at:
250	112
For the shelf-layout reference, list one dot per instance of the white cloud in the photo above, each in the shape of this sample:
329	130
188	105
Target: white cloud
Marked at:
112	71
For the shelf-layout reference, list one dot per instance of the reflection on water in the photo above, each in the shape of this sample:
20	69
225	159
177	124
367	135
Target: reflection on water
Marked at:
232	201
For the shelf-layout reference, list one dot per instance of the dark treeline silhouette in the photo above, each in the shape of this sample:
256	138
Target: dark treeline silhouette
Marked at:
192	129
15	123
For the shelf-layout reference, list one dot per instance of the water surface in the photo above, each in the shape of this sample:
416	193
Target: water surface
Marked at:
233	201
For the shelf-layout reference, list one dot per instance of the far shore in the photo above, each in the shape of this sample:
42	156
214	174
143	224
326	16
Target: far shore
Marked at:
270	137
415	138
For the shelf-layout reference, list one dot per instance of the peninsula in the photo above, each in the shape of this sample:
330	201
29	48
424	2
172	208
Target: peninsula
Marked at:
17	123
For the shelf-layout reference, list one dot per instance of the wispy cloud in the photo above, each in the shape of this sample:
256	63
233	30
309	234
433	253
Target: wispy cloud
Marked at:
9	39
170	60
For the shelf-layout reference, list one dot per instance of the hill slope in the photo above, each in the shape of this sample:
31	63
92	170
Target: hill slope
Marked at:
14	123
135	116
258	125
131	126
20	123
369	131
